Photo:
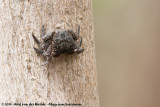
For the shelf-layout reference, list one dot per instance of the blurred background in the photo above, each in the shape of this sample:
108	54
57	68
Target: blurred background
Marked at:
127	34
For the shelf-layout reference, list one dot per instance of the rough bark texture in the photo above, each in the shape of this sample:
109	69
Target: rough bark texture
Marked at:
68	78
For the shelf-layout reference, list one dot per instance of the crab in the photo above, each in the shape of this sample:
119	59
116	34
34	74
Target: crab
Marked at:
58	42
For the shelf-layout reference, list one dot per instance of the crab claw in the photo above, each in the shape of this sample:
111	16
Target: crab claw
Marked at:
78	51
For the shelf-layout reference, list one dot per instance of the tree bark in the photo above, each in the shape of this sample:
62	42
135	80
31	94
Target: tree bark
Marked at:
68	79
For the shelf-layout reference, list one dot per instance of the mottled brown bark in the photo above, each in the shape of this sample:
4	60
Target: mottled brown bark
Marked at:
68	78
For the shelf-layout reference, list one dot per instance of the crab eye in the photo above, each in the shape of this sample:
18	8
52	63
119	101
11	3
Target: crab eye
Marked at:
56	40
57	47
69	38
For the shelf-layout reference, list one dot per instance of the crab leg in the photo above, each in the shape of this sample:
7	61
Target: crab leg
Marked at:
78	29
43	31
48	36
35	39
80	42
37	50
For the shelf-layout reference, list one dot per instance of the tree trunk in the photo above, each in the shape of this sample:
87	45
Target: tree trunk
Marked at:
68	79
